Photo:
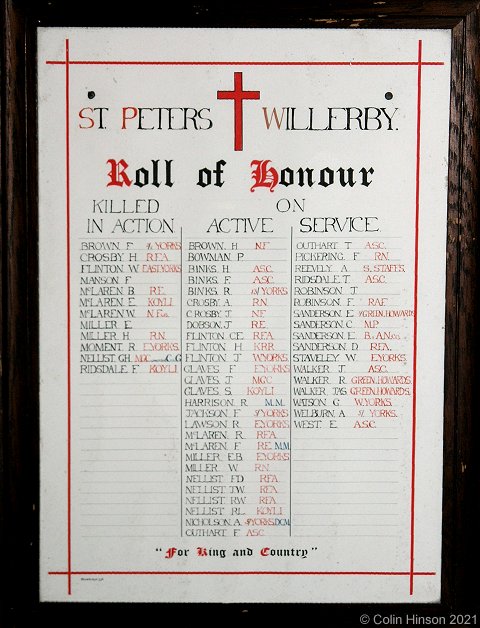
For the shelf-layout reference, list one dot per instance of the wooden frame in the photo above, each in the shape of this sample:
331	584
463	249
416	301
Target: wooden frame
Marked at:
19	343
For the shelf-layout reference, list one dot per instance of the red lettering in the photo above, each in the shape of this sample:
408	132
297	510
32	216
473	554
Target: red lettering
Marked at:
117	174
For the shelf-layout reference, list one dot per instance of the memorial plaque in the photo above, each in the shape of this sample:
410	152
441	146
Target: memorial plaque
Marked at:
242	303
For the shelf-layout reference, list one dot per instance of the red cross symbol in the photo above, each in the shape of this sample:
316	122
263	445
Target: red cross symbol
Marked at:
238	96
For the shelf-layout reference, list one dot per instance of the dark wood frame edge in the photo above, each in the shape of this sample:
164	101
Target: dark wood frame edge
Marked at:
19	435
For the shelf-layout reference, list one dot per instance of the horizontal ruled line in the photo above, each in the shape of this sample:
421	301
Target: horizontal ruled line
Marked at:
252	260
347	525
128	536
369	503
127	405
130	470
132	503
127	492
156	238
347	238
126	525
82	492
347	448
368	460
336	471
126	438
257	63
176	238
342	438
346	482
105	460
350	493
119	482
132	427
343	514
119	383
353	536
103	449
128	514
154	394
241	573
125	416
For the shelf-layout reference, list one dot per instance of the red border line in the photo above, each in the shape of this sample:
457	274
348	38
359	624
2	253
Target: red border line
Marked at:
69	373
419	63
240	573
415	321
260	63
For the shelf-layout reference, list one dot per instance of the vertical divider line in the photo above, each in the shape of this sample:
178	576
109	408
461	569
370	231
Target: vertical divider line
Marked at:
415	317
290	356
69	354
181	381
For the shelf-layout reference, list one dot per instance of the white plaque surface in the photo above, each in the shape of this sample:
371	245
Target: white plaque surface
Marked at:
242	277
